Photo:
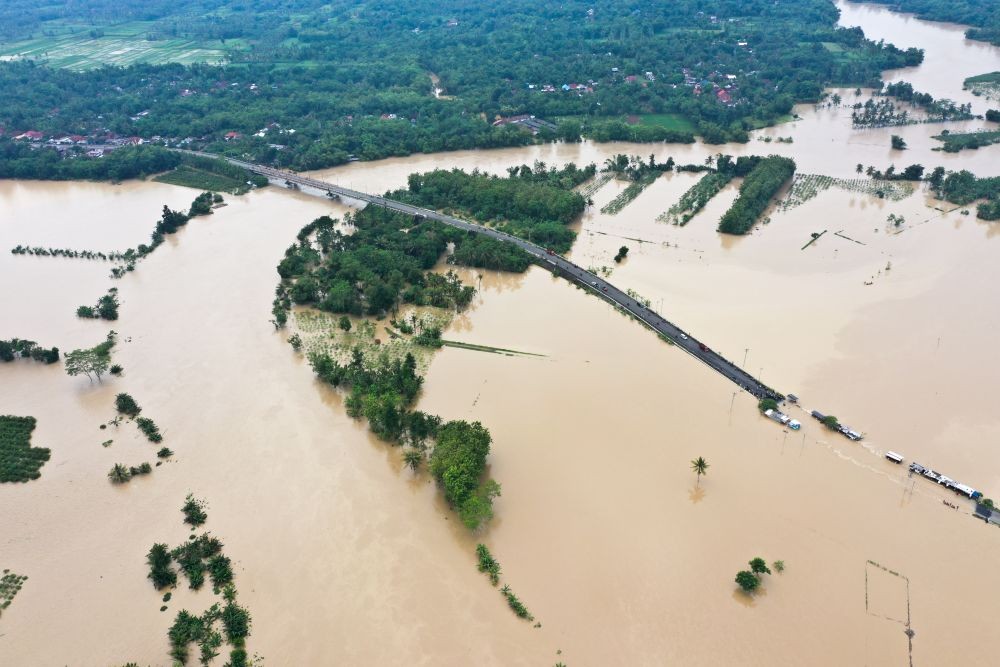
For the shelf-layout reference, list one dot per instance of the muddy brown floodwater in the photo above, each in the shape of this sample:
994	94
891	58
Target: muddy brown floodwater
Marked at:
345	557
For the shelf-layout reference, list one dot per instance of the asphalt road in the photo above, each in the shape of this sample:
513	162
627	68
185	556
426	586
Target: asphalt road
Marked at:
555	263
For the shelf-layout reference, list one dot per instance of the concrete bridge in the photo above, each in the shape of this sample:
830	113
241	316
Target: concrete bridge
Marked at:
551	262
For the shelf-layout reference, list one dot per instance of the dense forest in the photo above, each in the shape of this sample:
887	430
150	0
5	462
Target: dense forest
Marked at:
311	84
983	15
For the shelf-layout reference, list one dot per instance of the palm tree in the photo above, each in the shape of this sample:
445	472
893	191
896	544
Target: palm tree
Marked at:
700	467
413	458
119	474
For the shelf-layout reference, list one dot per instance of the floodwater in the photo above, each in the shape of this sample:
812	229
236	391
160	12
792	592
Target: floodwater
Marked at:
345	557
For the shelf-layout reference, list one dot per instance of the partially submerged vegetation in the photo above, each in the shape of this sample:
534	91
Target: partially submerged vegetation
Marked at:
199	556
19	461
761	184
749	580
639	174
194	511
963	187
885	113
21	348
92	362
958	141
10	585
699	194
806	186
106	307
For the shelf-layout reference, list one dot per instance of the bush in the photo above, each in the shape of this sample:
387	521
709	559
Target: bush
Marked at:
164	453
236	621
160	571
119	474
488	564
194	511
126	405
116	369
149	428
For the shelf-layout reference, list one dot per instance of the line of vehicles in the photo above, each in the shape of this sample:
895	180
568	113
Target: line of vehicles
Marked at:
943	480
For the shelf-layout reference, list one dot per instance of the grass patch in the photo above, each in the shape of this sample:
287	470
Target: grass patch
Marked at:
669	121
19	461
192	177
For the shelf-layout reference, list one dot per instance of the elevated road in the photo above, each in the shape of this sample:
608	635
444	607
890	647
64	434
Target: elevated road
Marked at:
554	263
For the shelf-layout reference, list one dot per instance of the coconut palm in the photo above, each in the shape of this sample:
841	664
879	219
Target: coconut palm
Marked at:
119	474
700	467
413	458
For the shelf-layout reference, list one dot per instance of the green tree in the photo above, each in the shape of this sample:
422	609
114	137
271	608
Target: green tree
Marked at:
831	422
898	143
344	323
748	581
778	565
88	362
700	467
759	566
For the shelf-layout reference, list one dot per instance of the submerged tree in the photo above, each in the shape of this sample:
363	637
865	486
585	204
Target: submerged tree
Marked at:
748	581
700	467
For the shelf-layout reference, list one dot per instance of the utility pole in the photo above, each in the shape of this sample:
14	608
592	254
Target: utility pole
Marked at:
745	353
731	402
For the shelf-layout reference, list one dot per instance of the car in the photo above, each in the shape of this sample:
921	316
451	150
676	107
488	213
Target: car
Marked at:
594	283
684	337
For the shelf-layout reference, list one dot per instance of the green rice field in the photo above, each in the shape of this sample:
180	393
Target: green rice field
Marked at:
126	44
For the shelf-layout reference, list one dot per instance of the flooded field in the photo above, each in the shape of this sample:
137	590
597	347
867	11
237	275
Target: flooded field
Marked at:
343	556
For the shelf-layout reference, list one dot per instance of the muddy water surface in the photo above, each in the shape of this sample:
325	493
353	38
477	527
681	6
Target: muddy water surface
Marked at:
344	557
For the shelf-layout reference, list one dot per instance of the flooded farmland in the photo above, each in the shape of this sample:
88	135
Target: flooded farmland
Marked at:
344	556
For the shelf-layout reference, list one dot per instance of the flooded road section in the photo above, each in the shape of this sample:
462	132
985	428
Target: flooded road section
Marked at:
623	556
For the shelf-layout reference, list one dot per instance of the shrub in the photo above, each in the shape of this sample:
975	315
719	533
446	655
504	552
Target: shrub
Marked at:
149	428
236	621
165	452
116	369
220	569
160	571
488	564
126	405
194	511
767	404
119	474
778	565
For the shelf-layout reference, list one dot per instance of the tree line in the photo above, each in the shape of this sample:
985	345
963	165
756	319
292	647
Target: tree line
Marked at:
763	180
